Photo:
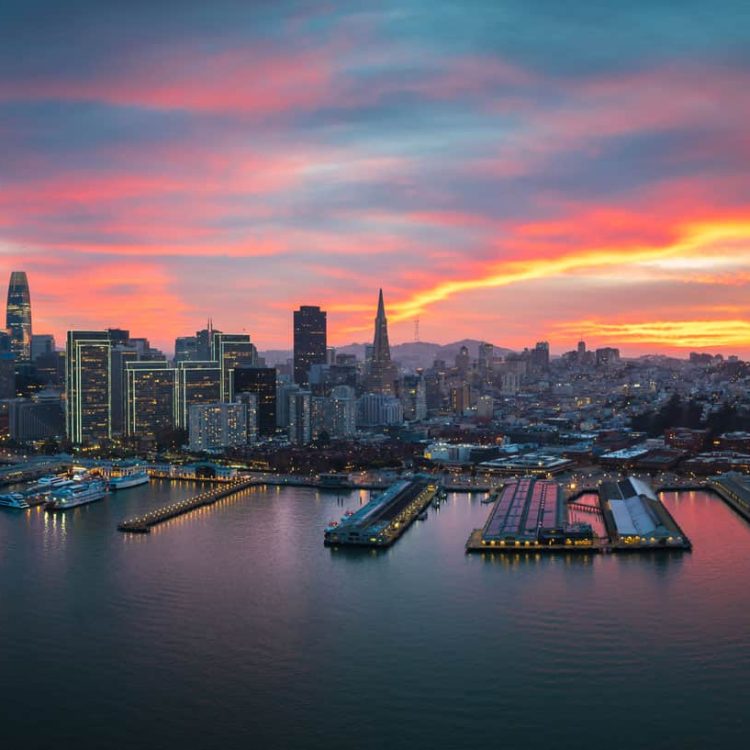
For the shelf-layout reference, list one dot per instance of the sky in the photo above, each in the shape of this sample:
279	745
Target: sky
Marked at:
507	170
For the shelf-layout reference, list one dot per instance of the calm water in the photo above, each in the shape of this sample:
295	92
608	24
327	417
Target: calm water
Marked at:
235	627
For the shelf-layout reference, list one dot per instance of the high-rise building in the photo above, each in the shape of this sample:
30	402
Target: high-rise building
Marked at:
262	382
7	375
381	371
344	408
120	356
218	425
231	350
204	342
250	400
88	386
150	389
300	417
309	341
539	357
18	316
41	416
42	345
186	349
197	383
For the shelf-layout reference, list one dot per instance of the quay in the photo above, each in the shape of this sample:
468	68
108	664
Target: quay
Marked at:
384	519
530	515
636	520
142	524
734	490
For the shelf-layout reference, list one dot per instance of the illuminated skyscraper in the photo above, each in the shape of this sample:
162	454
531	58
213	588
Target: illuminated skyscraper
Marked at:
231	350
150	398
18	316
382	372
197	383
309	341
262	382
88	386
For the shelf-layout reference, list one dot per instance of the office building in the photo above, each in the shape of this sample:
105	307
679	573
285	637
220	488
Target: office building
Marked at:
42	345
310	343
186	349
381	371
216	426
150	389
231	350
344	412
120	356
88	386
300	417
197	383
7	375
18	316
262	382
37	418
250	400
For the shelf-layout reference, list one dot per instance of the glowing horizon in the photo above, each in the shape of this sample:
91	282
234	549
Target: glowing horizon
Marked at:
499	184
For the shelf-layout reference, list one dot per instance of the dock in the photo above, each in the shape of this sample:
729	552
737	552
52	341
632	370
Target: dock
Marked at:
734	490
142	524
385	518
530	515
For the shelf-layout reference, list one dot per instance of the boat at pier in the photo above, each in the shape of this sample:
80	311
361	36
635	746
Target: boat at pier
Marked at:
130	479
80	493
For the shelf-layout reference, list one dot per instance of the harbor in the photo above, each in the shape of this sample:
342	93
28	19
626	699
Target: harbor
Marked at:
385	518
534	515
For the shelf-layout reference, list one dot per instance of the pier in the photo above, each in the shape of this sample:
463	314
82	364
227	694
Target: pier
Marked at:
142	524
384	519
734	490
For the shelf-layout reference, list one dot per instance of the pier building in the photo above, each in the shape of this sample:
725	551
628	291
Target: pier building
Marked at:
384	518
636	518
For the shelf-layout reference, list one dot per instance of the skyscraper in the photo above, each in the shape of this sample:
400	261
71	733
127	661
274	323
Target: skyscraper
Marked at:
231	350
382	372
150	389
309	341
18	315
197	383
88	386
262	382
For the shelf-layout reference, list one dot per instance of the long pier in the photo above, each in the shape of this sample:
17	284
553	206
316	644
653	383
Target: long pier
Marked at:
142	524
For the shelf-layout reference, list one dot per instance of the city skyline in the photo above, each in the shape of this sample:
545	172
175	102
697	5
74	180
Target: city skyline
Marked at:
512	174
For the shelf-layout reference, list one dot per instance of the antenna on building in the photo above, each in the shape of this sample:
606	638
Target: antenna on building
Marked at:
416	329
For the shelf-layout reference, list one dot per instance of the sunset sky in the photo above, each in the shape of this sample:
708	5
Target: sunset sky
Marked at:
579	169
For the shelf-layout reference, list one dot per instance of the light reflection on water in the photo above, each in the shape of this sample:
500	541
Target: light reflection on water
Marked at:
233	625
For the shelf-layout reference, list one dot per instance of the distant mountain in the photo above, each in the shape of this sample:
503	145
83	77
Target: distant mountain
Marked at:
411	355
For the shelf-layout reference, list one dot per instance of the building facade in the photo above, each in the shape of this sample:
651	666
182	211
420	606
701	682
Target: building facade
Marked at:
310	341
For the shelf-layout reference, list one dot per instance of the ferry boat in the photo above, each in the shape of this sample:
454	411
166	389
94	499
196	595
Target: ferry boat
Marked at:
132	479
14	500
81	493
52	482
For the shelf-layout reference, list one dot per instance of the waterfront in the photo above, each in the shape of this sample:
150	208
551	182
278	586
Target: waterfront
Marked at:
234	626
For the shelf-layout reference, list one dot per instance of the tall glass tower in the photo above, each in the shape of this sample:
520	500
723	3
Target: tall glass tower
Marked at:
310	341
18	316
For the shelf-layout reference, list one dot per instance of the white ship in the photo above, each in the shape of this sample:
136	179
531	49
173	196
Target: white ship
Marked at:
80	493
14	500
133	479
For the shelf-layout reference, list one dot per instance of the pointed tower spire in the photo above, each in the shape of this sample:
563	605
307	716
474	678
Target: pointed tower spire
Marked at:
382	372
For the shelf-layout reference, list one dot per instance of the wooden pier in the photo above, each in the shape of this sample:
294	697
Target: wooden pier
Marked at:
142	524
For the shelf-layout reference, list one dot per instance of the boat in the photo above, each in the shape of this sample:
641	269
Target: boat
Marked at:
422	516
51	483
14	500
81	493
132	479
